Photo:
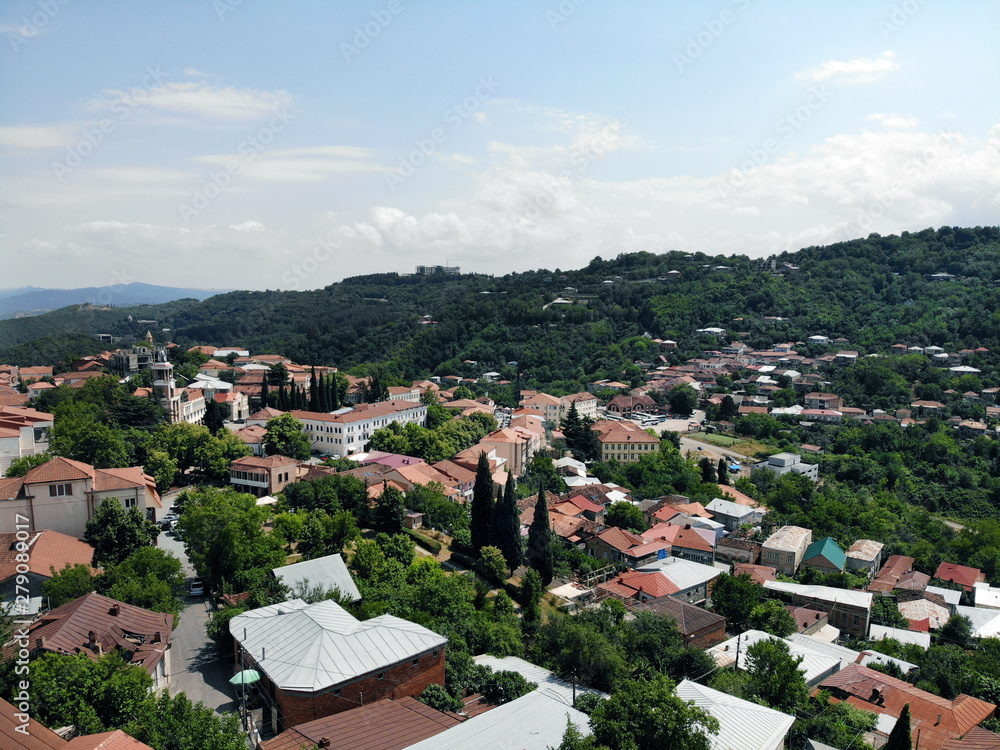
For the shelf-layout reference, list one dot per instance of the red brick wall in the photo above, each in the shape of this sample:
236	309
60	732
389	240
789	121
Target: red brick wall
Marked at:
708	637
399	681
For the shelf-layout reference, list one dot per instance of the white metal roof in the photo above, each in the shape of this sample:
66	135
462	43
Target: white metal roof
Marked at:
685	574
729	508
846	655
547	681
986	596
985	622
742	725
310	647
815	665
951	596
881	632
874	657
328	572
823	593
535	721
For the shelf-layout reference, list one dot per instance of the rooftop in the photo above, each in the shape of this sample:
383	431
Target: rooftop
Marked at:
742	724
329	572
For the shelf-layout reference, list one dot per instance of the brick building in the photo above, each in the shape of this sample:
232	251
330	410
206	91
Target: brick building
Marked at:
317	659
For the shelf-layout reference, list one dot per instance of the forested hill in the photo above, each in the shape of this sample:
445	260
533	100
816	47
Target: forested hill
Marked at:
873	292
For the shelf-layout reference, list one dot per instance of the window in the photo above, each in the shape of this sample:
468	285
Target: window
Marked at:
381	675
416	661
58	490
337	692
791	558
130	502
857	620
435	653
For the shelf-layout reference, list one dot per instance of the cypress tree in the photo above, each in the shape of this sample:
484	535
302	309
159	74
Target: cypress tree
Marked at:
482	505
899	737
282	398
264	396
313	392
723	472
540	539
324	404
300	399
505	526
708	473
334	392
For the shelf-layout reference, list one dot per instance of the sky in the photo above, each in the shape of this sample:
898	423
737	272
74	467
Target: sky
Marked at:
254	144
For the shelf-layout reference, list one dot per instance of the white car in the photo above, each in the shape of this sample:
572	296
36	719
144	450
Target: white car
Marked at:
197	587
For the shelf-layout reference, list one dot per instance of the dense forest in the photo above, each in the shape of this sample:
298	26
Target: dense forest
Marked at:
873	292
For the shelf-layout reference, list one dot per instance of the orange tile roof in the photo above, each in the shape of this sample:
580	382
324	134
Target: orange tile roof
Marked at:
38	736
116	740
47	549
59	469
965	576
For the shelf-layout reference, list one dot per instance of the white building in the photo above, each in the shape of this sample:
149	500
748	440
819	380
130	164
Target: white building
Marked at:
23	432
783	463
347	430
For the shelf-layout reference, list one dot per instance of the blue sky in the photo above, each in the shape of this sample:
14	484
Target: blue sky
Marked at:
259	144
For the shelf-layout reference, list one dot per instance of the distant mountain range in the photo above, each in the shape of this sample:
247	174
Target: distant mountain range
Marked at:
32	300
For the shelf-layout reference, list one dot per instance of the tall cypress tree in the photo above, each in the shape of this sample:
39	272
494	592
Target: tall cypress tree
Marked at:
282	398
331	389
540	538
723	471
324	404
313	392
505	526
899	737
264	396
482	505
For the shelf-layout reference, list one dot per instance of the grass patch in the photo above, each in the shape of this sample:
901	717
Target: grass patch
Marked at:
744	446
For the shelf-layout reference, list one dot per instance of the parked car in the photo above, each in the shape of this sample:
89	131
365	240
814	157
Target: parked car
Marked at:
197	587
168	521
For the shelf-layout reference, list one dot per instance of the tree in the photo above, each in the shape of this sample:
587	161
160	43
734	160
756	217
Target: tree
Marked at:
530	596
389	510
438	698
277	374
115	533
78	434
643	715
482	504
728	410
21	466
215	416
540	555
735	597
491	564
775	677
683	399
772	617
708	473
899	737
285	437
68	584
624	515
505	526
162	467
149	578
957	630
265	397
723	472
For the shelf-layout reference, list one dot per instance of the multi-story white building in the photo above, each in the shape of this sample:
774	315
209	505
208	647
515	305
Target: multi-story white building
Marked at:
586	404
23	432
347	430
782	463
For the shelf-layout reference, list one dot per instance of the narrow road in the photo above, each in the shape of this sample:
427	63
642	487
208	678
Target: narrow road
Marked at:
714	452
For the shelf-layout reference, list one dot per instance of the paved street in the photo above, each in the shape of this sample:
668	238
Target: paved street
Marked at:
197	669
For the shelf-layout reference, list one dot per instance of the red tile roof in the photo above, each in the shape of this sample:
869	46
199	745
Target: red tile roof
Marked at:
936	718
964	576
977	739
46	549
36	737
116	740
384	725
59	469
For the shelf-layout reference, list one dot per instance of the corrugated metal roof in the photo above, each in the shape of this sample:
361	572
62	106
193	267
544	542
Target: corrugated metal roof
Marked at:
846	655
535	721
874	657
742	725
815	665
547	681
329	572
985	622
729	508
880	632
685	574
823	593
951	596
314	646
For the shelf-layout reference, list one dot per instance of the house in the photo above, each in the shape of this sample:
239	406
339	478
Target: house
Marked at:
825	555
758	573
515	445
700	628
917	607
62	495
317	659
550	406
865	557
882	632
785	548
262	475
966	577
327	572
845	358
235	405
383	725
894	569
45	550
977	738
685	540
742	724
935	719
95	625
849	610
626	406
693	580
23	432
535	721
808	621
546	680
624	442
616	545
815	666
817	400
347	430
783	463
641	587
733	515
253	436
586	404
19	730
737	550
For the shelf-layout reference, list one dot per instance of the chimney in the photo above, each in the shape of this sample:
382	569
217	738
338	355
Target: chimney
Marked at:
114	610
91	638
324	742
40	642
936	723
156	637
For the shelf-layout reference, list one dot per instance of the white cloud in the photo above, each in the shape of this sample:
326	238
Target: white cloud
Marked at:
894	122
202	100
858	70
35	136
247	226
22	31
298	164
194	73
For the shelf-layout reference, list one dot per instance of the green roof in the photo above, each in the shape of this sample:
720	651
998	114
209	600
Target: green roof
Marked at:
828	549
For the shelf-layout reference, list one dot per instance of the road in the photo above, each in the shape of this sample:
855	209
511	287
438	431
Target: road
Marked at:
198	669
708	450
